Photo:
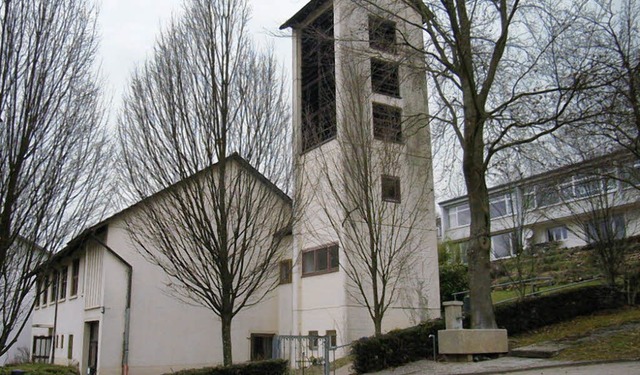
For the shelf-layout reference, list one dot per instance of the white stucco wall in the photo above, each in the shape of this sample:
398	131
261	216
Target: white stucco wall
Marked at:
318	309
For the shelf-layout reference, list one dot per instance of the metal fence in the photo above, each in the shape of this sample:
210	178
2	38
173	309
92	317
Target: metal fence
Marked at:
306	354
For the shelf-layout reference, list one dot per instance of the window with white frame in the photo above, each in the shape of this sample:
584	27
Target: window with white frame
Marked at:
500	205
459	215
547	195
558	233
529	198
459	251
630	175
502	245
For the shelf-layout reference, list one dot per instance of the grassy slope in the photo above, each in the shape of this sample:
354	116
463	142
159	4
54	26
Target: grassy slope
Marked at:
620	345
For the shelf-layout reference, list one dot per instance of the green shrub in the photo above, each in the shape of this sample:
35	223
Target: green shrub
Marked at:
402	346
394	348
541	311
270	367
40	369
454	278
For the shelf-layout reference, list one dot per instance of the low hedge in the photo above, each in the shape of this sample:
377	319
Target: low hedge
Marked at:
40	369
402	346
533	313
394	348
269	367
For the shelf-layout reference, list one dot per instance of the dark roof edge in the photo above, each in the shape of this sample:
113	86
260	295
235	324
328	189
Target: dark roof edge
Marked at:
610	157
303	13
313	5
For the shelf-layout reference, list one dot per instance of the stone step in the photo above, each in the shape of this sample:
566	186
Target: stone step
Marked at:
539	350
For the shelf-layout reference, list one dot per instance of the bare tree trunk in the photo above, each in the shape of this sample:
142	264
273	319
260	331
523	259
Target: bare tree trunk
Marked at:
227	353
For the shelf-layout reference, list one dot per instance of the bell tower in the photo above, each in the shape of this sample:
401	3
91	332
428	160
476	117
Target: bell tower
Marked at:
364	252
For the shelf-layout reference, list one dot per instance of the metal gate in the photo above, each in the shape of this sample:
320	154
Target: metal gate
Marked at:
304	353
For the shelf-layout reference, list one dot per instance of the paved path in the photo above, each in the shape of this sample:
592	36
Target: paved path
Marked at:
512	365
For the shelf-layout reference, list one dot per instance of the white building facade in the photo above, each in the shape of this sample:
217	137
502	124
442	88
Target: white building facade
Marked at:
569	206
111	312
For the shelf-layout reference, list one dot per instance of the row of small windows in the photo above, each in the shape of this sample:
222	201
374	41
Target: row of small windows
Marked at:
503	245
56	284
541	195
316	261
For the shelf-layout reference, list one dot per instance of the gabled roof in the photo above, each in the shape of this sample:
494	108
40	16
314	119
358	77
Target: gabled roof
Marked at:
314	5
74	244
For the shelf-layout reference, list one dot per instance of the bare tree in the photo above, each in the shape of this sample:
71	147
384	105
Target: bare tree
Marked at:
596	204
205	94
616	28
52	152
503	74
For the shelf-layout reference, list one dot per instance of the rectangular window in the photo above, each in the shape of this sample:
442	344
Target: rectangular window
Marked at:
547	195
285	271
54	286
64	275
459	215
500	205
587	186
45	290
261	346
606	229
333	338
387	122
385	78
630	175
61	341
70	347
313	340
382	34
502	245
38	292
320	260
557	233
529	198
75	276
390	189
318	96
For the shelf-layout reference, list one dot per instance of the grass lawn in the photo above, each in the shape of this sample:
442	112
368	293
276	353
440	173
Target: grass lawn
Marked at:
620	345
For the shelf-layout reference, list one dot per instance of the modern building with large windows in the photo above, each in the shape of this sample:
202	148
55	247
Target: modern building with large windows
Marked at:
570	206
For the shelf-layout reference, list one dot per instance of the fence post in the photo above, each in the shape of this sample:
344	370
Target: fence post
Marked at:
327	361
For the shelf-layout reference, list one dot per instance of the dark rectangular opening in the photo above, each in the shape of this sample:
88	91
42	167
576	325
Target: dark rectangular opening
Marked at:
387	122
385	78
390	189
261	346
382	34
318	82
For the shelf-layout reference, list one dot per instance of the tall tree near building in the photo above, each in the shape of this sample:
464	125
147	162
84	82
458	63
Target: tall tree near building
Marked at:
377	204
616	28
206	93
52	148
503	73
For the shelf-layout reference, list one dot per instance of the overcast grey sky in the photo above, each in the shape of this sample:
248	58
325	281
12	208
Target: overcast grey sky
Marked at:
128	29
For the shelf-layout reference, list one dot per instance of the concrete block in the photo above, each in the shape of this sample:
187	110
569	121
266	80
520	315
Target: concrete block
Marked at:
472	341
